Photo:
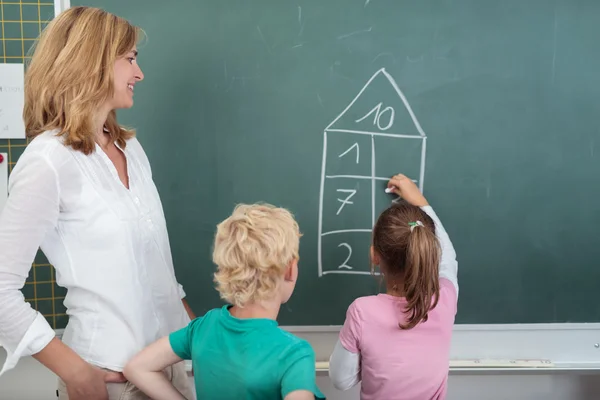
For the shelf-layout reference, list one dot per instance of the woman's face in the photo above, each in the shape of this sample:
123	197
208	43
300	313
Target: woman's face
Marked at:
126	74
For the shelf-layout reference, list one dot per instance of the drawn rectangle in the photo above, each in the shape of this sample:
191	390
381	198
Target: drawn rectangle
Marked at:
397	155
374	137
348	154
346	204
347	252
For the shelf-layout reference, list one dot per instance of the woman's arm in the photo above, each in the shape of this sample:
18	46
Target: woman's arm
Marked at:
31	211
145	371
188	309
83	381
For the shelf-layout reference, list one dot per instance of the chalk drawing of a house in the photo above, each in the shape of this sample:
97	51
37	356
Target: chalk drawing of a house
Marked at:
377	119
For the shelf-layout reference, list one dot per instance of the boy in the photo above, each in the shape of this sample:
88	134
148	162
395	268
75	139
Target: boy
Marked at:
238	351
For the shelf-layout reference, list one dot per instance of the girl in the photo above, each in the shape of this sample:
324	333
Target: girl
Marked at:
398	343
83	192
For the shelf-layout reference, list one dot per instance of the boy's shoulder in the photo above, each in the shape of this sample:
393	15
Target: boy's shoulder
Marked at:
208	318
291	346
289	338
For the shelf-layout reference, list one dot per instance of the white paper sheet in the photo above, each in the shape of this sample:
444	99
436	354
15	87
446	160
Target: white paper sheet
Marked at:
3	180
12	77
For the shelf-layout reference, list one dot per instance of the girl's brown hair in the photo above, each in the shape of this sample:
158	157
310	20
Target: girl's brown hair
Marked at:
405	241
70	75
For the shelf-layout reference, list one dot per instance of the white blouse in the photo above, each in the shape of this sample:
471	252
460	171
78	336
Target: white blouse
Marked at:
109	246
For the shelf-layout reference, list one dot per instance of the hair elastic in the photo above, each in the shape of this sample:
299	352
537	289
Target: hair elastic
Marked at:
413	225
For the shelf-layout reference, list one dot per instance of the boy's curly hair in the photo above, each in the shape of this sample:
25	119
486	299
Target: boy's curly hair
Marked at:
252	249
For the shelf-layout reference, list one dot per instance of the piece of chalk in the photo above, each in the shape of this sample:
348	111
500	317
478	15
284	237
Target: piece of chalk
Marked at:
389	190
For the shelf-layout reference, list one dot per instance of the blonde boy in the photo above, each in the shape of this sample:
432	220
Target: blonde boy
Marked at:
238	351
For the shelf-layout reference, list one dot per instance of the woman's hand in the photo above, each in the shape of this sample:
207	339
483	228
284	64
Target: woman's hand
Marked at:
83	380
406	188
90	383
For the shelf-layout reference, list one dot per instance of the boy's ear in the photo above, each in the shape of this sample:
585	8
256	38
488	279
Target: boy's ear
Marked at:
291	271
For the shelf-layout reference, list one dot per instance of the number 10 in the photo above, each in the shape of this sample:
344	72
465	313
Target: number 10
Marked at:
378	115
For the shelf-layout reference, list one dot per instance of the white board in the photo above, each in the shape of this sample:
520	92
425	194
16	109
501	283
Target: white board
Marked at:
12	77
3	180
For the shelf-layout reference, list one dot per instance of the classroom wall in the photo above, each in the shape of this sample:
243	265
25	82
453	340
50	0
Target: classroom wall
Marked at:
31	381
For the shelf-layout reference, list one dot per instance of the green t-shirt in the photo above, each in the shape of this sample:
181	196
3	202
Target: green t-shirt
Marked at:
245	358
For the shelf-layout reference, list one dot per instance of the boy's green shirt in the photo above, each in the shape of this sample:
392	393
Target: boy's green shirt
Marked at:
245	358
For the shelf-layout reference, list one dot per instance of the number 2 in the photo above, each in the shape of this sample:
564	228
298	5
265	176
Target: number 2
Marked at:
344	265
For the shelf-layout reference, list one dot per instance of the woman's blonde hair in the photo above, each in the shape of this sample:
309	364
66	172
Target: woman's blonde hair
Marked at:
252	249
70	75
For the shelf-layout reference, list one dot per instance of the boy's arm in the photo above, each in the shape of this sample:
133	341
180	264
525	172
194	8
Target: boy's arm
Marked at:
300	395
145	371
298	381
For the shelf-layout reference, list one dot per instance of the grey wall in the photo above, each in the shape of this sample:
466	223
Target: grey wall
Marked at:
31	381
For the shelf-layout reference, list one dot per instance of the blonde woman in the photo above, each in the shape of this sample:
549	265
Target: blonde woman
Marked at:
238	351
83	192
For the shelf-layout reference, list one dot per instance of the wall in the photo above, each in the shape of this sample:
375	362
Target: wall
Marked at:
31	381
573	349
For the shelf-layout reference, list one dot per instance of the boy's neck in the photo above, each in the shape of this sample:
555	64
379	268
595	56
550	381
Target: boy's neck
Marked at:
265	310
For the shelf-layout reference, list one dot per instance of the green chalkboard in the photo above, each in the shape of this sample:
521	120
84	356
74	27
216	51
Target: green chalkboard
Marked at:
491	106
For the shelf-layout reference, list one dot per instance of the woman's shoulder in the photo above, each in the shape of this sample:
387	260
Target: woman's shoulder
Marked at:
134	143
135	148
44	157
49	145
46	140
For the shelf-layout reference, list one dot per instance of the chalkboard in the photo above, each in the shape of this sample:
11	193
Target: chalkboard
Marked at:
490	106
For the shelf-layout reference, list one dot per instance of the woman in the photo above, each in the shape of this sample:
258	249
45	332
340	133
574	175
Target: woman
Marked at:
83	192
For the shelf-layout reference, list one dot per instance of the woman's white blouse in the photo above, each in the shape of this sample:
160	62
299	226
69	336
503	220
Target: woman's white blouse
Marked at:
109	245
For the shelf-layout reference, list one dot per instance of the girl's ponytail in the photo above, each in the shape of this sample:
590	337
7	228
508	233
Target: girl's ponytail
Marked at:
405	242
421	279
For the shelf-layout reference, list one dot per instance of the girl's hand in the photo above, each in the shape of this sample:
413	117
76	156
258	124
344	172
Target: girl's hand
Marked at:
406	188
